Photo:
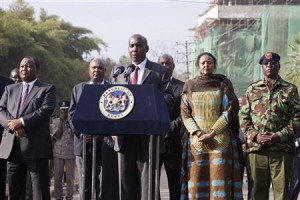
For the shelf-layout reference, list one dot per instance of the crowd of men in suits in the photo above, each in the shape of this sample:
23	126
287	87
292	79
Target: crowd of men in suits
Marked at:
26	112
26	108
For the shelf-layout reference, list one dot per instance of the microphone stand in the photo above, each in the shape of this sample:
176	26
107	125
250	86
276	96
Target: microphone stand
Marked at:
127	80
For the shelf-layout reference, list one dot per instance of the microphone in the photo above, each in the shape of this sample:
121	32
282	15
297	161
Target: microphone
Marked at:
119	70
129	70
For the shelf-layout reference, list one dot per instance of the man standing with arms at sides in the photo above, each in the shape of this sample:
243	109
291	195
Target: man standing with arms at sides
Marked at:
171	158
134	150
97	71
3	82
268	121
25	114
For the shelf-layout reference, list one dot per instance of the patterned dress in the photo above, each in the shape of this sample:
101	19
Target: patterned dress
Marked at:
210	104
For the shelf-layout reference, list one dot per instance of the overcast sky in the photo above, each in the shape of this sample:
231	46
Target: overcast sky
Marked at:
164	23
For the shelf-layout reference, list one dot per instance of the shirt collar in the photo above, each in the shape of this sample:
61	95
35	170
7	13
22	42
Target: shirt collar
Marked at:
92	83
141	65
30	84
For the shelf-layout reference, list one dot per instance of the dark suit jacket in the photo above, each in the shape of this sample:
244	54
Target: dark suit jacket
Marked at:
38	108
173	137
154	74
76	93
3	82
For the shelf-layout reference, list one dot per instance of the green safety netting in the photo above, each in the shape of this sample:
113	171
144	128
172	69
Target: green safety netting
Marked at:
239	49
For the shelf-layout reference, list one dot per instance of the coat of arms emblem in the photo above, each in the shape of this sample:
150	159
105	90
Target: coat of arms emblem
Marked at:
116	102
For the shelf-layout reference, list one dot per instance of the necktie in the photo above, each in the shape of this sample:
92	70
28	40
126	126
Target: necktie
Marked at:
24	96
134	78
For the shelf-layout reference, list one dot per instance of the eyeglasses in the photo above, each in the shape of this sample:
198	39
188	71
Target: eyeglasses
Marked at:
271	62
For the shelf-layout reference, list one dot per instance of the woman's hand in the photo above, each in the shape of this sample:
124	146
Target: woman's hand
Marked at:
208	140
198	133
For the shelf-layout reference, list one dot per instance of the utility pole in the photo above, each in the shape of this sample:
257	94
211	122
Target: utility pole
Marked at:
187	56
185	53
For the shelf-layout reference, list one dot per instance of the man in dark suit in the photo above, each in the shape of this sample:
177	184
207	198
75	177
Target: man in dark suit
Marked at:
171	158
3	82
109	173
97	71
15	76
133	150
25	113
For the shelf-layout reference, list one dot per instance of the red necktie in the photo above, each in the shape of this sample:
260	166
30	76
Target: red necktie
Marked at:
134	79
24	96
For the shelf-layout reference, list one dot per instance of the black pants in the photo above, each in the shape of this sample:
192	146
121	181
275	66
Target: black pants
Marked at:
172	164
295	181
2	178
88	171
39	173
110	177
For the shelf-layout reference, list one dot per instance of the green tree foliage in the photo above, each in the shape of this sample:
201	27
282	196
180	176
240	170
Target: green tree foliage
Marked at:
22	10
124	60
109	66
291	67
59	46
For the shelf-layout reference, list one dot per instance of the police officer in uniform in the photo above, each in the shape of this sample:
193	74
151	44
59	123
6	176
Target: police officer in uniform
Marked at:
63	152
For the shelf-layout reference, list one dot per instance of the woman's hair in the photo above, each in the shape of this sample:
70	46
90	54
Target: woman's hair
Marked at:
208	54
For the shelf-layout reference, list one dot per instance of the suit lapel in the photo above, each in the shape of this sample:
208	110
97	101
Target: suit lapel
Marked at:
147	71
30	96
175	86
18	95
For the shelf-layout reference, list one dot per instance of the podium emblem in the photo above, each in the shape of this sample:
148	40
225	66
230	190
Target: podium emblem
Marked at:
116	102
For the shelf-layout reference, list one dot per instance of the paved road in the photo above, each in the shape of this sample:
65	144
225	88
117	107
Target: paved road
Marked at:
163	188
165	192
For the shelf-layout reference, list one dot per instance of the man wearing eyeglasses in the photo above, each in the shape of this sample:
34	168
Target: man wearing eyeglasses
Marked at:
269	121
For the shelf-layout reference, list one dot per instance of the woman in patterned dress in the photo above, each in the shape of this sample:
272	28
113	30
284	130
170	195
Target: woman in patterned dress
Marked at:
209	110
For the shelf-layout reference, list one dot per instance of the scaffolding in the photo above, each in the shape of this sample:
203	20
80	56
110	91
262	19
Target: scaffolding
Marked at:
238	43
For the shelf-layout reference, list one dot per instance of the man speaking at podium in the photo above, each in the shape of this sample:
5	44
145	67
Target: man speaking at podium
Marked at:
134	150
